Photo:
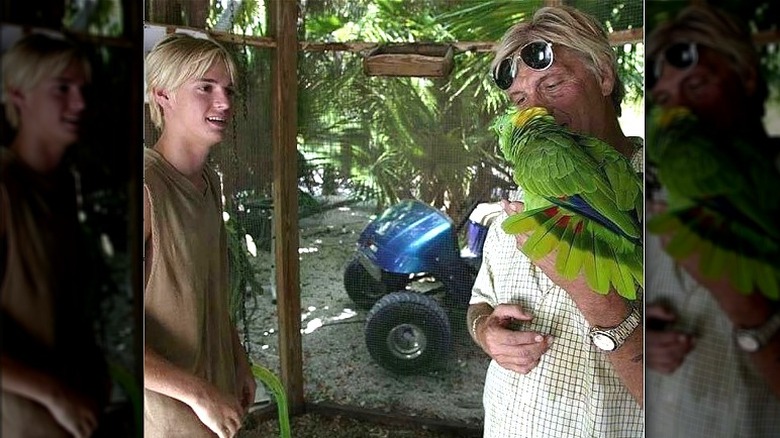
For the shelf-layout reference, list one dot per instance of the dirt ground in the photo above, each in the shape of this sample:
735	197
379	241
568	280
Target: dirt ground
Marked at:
337	366
316	426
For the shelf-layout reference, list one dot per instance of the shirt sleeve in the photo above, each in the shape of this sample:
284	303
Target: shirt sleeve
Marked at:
483	290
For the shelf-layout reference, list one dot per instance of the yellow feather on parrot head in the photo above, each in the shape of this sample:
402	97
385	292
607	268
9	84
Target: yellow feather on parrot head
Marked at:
671	115
522	117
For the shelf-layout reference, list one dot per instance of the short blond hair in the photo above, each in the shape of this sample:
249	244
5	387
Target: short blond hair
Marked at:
568	27
32	60
714	28
178	58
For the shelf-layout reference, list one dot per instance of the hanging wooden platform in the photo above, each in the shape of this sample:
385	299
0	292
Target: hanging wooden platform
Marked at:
421	60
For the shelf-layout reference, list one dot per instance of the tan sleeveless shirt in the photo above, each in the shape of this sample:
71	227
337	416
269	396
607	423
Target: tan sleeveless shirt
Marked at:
186	301
43	321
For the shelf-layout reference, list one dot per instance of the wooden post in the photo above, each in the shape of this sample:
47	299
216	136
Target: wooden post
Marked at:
132	15
285	197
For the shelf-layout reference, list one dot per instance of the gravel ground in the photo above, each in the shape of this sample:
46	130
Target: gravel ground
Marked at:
316	426
337	366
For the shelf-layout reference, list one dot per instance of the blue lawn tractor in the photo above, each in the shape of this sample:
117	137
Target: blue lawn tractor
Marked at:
406	257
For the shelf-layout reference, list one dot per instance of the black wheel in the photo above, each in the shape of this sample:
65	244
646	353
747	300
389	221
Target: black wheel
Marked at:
408	333
364	289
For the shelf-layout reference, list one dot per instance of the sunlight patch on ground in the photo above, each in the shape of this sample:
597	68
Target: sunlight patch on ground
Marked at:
316	323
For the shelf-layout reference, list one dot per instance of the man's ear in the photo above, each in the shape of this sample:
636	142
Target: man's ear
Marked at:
607	82
750	81
162	97
16	95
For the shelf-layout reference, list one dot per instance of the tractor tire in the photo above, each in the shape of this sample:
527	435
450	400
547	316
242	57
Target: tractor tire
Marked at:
365	290
408	333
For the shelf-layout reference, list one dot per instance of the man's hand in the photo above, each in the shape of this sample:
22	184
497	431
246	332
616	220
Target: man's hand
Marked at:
245	378
220	412
666	350
74	412
514	350
248	385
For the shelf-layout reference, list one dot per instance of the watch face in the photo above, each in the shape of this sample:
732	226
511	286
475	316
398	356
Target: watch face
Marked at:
748	342
603	342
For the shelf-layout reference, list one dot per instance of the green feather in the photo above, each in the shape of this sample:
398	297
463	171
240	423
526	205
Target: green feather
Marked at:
544	239
766	280
578	251
565	249
603	269
683	243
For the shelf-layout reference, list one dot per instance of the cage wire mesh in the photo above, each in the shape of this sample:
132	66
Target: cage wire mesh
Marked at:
390	341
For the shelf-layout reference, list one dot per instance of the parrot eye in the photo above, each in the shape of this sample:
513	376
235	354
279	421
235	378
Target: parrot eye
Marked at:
681	56
537	55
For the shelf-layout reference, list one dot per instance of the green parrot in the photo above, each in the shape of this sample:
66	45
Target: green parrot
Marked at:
582	199
721	200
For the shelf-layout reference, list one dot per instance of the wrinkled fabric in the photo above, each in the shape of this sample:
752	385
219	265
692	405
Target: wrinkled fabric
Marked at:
43	307
186	301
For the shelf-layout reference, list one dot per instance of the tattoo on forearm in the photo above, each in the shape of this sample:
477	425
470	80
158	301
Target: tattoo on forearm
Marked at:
637	358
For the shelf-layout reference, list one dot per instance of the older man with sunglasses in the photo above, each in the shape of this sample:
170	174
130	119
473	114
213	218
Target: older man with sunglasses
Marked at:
547	377
712	353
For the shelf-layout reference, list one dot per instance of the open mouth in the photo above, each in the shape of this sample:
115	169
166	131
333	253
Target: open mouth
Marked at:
219	121
73	122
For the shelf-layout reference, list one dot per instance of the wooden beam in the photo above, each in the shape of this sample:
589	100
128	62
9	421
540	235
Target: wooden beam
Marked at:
616	38
285	197
328	409
132	14
766	37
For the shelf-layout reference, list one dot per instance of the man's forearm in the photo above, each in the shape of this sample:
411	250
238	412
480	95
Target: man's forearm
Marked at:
744	311
609	311
628	362
477	315
26	381
160	375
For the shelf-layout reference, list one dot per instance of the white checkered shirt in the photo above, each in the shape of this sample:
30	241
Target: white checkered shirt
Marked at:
574	391
716	392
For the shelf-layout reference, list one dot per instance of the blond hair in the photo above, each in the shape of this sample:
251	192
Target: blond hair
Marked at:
178	58
31	61
718	30
568	27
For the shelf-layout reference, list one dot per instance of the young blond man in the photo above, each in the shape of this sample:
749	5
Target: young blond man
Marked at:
197	376
54	379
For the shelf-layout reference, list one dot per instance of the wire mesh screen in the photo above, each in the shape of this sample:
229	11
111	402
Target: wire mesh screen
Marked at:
389	333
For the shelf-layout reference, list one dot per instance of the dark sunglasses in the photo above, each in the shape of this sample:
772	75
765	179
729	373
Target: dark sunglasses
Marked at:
537	55
681	56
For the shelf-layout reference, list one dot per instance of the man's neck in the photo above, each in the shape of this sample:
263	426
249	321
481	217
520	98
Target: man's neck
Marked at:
36	153
188	158
615	137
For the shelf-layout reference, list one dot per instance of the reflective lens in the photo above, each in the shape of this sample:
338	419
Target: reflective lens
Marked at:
537	55
681	56
505	73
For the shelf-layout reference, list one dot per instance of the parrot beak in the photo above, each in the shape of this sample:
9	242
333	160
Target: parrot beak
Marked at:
674	114
522	117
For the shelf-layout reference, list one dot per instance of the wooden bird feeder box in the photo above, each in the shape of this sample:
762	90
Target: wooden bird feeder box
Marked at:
420	60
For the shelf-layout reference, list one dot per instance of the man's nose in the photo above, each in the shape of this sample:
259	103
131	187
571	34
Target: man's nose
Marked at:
76	99
222	100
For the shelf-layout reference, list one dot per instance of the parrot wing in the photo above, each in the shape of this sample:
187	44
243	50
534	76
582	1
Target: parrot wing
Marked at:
717	209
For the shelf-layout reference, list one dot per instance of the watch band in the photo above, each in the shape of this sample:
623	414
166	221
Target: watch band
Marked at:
753	339
611	338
